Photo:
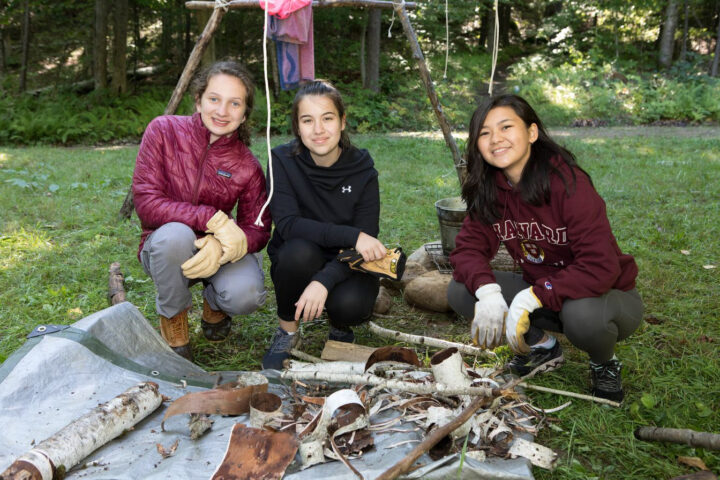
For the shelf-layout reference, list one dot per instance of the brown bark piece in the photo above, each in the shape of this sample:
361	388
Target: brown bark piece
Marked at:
255	454
116	288
220	401
383	301
349	352
393	354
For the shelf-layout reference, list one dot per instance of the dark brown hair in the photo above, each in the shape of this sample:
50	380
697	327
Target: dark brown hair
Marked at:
234	69
479	189
321	88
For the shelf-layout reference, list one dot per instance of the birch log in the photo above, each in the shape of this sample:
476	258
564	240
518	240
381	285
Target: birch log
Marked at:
53	457
430	341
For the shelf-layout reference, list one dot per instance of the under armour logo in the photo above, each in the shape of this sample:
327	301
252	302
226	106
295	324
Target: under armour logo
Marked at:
347	189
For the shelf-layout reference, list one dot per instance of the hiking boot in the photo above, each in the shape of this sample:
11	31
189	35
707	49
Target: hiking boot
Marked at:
279	350
341	334
606	380
215	323
547	359
176	333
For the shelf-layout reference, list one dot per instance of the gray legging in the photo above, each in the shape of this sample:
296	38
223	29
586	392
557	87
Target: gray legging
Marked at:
236	288
593	324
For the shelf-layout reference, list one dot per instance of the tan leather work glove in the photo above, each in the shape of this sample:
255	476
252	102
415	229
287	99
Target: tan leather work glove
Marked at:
517	322
206	261
391	266
230	236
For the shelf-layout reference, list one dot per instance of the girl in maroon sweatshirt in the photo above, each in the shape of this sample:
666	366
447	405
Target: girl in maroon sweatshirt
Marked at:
527	192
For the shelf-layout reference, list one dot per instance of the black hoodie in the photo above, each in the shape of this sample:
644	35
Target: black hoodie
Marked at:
328	206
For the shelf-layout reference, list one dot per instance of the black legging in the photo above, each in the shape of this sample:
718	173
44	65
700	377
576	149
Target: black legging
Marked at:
349	303
591	324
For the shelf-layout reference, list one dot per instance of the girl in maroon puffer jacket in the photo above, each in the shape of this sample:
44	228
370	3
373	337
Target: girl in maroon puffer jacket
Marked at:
527	192
190	174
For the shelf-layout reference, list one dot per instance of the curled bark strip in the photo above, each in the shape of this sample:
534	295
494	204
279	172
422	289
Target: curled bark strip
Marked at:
52	457
393	354
264	408
709	441
223	400
254	454
344	460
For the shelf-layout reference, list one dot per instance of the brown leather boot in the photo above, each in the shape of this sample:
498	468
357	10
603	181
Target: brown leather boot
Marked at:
176	333
215	323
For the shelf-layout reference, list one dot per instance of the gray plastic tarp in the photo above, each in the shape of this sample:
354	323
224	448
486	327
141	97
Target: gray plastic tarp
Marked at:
62	373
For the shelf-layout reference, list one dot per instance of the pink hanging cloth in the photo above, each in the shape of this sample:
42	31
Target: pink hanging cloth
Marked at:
292	30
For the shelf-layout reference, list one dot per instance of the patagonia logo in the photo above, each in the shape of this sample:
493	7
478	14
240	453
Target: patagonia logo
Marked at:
223	173
347	189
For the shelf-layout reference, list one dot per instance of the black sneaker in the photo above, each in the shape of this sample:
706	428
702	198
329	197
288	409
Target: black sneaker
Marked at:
279	350
606	380
547	358
341	335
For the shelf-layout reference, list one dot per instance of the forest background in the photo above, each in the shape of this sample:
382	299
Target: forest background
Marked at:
631	87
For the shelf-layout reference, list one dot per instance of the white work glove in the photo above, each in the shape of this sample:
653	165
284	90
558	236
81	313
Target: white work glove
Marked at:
490	309
230	236
206	261
518	319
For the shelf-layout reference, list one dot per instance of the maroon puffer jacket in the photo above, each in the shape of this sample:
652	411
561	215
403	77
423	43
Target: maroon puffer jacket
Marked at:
181	177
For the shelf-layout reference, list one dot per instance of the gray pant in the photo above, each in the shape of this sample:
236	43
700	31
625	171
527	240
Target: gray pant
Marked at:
593	325
236	288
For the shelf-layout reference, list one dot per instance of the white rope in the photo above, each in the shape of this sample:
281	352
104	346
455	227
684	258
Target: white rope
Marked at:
447	40
224	4
258	220
392	21
496	41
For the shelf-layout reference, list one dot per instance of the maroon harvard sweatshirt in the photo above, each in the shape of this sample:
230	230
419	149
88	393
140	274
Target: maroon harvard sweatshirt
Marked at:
565	248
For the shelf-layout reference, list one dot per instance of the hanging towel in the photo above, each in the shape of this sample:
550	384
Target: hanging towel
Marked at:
283	8
295	47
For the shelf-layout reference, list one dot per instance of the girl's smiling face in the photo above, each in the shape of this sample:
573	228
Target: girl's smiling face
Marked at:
222	105
320	127
505	140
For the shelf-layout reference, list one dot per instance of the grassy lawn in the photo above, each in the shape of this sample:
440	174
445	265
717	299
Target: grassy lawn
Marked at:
60	231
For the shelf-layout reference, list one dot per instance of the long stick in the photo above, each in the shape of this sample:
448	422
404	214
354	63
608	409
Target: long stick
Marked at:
400	9
404	465
569	394
430	341
234	4
51	458
709	441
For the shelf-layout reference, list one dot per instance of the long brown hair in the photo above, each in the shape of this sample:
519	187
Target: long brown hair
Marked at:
234	69
321	88
479	189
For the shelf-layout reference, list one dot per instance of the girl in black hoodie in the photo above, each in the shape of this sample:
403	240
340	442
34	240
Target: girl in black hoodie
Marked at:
325	198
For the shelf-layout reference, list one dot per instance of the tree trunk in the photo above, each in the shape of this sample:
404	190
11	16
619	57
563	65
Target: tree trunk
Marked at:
100	44
3	62
137	39
667	40
372	66
208	57
119	58
505	19
714	68
490	20
25	45
683	51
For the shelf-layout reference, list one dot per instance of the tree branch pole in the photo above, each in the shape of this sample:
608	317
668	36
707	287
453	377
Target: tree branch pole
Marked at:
709	441
237	4
404	465
565	393
430	88
430	341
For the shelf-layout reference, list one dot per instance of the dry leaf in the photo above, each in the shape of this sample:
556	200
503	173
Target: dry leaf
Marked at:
653	320
693	462
74	313
685	252
167	453
709	267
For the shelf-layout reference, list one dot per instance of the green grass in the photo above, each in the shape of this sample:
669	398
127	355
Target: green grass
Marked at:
60	232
